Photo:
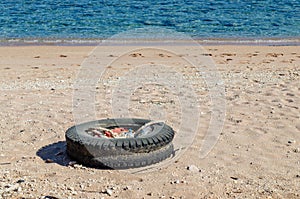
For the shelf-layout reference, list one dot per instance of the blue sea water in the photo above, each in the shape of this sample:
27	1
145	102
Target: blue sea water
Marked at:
98	19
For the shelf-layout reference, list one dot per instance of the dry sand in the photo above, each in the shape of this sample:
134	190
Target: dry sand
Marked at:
257	154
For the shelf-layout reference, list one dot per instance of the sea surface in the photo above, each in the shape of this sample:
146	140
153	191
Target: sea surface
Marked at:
75	20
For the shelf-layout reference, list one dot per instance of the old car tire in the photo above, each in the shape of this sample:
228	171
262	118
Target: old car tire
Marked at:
119	151
126	161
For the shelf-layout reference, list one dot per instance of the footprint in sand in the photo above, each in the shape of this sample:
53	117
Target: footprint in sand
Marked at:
207	54
221	62
136	55
250	68
163	55
288	61
268	61
289	100
228	54
274	54
252	54
244	62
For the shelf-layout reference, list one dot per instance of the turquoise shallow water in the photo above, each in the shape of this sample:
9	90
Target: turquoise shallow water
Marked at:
98	19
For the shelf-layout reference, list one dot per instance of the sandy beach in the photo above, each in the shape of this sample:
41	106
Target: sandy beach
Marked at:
257	154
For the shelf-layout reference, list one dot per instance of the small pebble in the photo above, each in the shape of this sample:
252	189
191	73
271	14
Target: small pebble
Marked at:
49	197
21	181
127	188
72	163
193	168
108	192
74	193
78	166
19	189
234	178
291	141
10	188
49	161
296	150
175	182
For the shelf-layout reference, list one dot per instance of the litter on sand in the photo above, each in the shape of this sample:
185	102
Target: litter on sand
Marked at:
117	132
120	132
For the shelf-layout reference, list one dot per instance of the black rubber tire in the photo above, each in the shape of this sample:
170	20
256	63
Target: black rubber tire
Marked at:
133	160
84	145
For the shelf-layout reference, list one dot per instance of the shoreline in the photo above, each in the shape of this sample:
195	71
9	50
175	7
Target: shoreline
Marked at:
150	42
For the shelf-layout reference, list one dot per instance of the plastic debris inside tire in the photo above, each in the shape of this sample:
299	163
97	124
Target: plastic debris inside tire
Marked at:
122	143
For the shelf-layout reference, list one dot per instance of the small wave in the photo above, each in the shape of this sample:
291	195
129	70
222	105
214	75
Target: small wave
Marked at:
145	41
263	42
45	42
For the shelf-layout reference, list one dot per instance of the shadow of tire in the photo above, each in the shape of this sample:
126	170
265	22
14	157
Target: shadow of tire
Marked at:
55	153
